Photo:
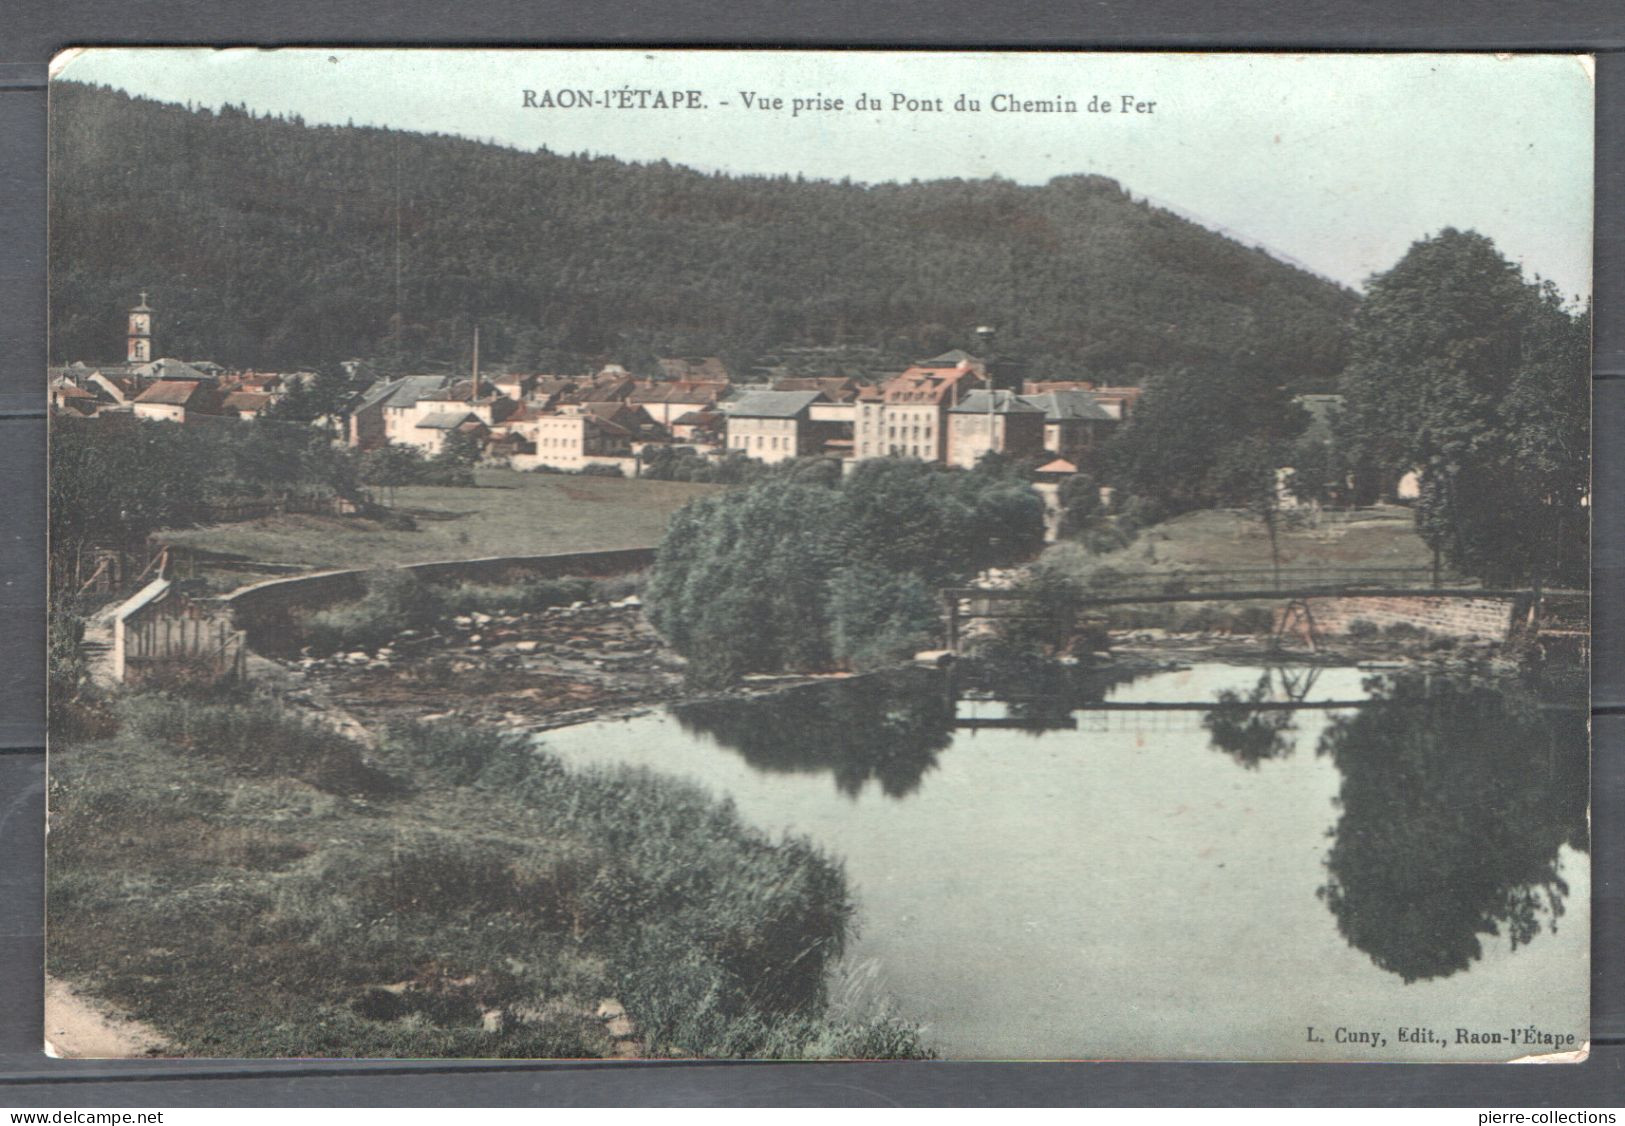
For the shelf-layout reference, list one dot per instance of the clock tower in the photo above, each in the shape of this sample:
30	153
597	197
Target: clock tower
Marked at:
138	346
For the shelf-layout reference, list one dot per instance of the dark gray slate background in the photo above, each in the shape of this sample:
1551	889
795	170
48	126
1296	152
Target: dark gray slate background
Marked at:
34	30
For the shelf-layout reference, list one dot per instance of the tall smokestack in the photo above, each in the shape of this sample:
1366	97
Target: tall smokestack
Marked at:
475	396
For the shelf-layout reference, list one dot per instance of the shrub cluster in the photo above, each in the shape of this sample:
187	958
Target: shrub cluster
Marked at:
255	736
809	568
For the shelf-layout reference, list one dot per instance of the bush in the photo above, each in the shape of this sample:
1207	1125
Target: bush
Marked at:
877	617
1048	625
256	737
1103	538
1363	628
1253	619
600	470
523	597
396	600
453	752
65	666
391	520
1142	512
613	588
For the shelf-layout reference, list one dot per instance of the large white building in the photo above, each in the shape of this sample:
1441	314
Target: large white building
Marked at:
774	426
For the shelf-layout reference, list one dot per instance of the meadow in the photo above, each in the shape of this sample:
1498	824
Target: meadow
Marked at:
1227	539
504	513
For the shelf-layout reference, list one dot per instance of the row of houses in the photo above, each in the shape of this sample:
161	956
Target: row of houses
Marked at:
165	389
952	409
944	410
931	411
168	390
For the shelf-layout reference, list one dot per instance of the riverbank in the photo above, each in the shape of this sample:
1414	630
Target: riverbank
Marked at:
1119	819
538	670
530	670
250	882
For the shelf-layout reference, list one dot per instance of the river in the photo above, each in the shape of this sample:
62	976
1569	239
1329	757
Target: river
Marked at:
1038	878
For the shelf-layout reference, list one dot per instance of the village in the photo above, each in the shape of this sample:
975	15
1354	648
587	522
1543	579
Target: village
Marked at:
955	410
952	409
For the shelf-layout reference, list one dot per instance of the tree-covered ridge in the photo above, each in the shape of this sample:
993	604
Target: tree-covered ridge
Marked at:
264	242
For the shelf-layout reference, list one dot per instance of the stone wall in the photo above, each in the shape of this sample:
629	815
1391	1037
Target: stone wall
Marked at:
264	606
1487	617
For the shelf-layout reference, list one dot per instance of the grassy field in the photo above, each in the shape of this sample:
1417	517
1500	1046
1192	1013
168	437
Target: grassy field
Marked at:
1224	540
507	513
1338	546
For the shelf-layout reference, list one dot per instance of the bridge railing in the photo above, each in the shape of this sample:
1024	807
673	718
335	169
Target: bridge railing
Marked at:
1269	578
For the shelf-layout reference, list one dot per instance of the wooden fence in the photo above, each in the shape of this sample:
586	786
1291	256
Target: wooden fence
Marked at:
162	636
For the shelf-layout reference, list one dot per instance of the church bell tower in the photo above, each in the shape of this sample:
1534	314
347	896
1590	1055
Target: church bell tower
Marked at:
138	345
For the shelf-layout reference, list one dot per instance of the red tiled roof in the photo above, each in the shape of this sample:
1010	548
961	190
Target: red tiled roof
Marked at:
929	385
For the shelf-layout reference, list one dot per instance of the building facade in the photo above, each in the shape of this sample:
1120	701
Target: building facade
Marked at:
774	426
909	416
993	422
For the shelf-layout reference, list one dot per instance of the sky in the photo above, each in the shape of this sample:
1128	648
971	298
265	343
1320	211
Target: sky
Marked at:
1337	162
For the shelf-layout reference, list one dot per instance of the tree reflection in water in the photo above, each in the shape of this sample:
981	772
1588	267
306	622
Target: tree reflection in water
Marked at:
1456	796
889	728
1247	733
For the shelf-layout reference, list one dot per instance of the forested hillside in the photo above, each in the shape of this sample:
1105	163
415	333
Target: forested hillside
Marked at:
265	242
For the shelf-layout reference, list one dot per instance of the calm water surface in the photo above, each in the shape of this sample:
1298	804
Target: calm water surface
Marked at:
1038	878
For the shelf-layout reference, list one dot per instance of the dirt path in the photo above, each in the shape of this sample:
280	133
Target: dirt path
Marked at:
77	1028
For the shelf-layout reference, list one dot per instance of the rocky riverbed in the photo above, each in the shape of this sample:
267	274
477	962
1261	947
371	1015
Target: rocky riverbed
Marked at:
566	665
533	670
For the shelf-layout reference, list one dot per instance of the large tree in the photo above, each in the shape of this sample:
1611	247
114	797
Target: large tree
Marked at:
1193	426
1477	379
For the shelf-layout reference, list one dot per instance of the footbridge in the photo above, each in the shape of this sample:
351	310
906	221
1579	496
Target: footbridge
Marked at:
1308	602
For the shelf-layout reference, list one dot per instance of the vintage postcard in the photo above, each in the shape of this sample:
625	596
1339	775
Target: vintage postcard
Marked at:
785	555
